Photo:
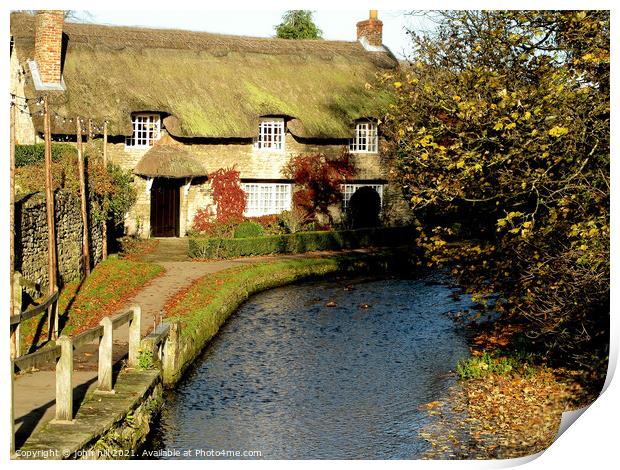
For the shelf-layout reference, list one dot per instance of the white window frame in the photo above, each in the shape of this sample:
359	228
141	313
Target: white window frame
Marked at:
366	138
271	133
349	189
146	130
267	198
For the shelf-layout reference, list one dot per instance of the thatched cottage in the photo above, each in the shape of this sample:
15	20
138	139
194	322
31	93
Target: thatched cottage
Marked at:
180	105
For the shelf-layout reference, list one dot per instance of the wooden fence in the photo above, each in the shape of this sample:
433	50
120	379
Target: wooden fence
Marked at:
50	303
62	354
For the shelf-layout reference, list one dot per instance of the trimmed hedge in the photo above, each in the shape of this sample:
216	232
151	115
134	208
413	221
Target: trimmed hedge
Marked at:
31	154
300	242
248	229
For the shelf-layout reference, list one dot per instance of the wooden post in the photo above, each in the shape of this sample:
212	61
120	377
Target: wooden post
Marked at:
105	357
171	354
17	309
12	418
51	224
83	196
56	319
15	332
64	381
134	336
104	228
90	130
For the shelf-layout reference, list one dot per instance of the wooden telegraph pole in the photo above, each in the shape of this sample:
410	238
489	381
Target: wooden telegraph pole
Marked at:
14	332
52	262
80	150
104	227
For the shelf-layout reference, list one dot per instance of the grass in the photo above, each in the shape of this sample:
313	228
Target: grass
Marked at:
82	304
495	362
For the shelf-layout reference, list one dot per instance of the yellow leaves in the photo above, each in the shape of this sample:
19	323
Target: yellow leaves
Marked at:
456	98
499	125
558	131
512	125
426	141
527	116
460	164
397	84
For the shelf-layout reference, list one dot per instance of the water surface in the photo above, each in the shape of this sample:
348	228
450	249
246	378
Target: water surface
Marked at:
295	379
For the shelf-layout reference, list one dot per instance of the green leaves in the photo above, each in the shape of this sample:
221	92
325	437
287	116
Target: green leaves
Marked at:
298	24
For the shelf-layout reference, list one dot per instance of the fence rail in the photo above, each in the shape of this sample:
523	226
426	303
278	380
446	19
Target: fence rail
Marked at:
50	303
34	311
62	355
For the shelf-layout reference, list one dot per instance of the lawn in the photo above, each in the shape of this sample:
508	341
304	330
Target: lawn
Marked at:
82	304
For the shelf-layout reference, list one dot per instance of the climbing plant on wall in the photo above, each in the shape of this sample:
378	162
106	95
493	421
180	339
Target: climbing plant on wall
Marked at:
229	201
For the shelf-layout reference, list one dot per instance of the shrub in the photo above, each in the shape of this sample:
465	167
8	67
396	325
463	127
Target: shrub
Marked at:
294	220
111	192
32	154
270	222
300	242
364	208
248	229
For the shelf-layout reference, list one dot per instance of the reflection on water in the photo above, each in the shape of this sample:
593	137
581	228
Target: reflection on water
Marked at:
295	379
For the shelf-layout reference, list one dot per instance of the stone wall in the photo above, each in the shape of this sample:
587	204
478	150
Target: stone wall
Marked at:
31	238
225	153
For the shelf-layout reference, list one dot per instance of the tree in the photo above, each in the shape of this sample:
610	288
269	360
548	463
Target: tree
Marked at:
500	132
318	180
298	24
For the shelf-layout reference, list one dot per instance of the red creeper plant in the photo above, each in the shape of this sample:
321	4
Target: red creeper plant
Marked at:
229	203
319	180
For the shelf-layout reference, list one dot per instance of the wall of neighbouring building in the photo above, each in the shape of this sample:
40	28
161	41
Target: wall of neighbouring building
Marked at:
24	129
31	238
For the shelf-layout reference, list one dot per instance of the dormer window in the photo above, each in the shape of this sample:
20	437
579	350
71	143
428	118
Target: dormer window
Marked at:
366	138
270	134
146	130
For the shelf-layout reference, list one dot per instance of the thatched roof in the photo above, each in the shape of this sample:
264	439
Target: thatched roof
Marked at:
169	159
211	85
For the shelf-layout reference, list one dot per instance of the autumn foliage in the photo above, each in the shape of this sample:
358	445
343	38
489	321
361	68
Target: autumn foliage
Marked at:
500	133
318	181
229	204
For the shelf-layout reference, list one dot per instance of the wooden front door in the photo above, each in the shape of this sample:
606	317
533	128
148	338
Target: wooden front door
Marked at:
165	203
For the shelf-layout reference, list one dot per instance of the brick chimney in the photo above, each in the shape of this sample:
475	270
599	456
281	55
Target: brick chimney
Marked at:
371	30
48	45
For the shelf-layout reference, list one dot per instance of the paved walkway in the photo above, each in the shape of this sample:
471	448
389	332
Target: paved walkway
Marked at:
34	403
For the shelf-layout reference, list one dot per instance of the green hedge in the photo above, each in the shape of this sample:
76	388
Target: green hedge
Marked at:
300	242
30	154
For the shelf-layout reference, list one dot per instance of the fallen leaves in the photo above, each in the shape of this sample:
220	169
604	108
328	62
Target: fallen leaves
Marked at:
500	416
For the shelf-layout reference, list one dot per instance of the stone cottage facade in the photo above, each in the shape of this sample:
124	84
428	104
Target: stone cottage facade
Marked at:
179	105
